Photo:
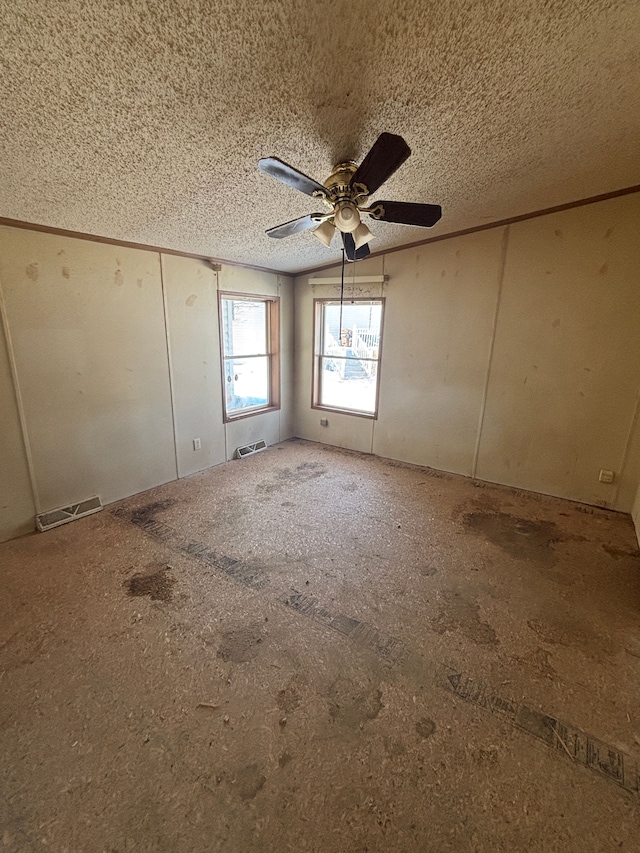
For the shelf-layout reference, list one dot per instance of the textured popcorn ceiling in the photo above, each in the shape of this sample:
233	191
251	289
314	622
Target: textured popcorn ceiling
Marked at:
143	121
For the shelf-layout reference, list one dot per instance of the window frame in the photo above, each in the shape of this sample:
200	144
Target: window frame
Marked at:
272	305
316	378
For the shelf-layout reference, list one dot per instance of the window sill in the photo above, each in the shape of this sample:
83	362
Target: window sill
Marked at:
227	419
366	415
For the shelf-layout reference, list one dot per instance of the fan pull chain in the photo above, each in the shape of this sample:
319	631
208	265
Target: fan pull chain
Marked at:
341	299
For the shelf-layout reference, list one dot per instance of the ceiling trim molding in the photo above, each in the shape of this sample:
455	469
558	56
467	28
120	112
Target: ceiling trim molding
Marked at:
499	224
111	241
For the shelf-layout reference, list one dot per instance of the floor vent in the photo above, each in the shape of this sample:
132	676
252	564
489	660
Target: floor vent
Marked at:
47	520
248	449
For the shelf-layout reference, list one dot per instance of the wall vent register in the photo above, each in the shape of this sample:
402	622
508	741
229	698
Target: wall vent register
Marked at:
250	449
56	517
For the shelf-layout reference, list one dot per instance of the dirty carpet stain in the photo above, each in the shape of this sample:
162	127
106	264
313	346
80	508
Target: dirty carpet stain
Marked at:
620	553
565	629
20	649
538	660
32	272
425	727
288	699
486	755
394	748
157	585
286	477
457	614
353	704
239	645
248	781
147	512
522	538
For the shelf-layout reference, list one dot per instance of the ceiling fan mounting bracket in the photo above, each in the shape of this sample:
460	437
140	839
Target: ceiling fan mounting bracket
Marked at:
338	183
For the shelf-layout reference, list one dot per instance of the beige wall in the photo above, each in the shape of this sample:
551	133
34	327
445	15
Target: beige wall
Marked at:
17	508
437	336
635	512
510	354
95	390
634	460
116	360
564	376
192	329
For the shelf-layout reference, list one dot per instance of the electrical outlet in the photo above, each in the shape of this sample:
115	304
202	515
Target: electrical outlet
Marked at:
606	476
324	422
196	444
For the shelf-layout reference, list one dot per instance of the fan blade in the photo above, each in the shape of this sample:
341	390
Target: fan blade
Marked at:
387	154
352	253
297	225
406	213
282	171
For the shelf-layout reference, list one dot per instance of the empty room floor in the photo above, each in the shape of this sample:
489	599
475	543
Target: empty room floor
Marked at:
317	650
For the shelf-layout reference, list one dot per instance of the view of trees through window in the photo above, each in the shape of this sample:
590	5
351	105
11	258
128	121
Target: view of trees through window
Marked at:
347	357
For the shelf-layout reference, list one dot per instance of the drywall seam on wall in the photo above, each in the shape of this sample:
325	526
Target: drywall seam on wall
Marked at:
280	359
627	447
280	337
485	390
222	386
165	312
19	403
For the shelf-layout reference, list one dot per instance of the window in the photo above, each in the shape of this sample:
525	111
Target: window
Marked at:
347	355
249	329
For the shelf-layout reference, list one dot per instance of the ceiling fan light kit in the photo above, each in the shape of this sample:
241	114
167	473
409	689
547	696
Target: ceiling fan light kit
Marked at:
325	232
362	235
346	192
345	216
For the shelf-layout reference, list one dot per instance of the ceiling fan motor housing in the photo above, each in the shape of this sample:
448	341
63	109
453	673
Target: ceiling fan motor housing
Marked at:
339	181
340	197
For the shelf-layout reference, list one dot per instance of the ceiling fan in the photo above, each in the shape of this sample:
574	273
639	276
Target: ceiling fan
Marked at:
345	193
